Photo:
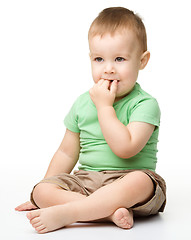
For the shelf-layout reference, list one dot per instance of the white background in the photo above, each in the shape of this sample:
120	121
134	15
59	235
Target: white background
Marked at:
44	66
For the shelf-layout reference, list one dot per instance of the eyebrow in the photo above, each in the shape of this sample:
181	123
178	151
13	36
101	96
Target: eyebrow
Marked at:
93	55
118	54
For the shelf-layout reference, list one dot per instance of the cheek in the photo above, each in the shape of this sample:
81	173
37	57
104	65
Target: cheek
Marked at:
125	73
96	73
129	72
95	76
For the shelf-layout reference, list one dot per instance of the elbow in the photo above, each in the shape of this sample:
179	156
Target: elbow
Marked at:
125	153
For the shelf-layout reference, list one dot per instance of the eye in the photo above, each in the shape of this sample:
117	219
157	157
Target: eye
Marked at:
119	59
99	59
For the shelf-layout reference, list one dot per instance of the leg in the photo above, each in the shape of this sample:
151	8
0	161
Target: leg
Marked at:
122	217
135	187
27	206
47	195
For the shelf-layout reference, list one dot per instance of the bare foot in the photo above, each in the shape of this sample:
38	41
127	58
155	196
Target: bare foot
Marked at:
51	218
26	207
123	218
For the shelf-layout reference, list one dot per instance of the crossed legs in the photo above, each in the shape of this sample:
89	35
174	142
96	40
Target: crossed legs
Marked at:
47	195
62	208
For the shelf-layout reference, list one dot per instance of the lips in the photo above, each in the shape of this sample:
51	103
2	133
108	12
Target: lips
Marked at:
111	80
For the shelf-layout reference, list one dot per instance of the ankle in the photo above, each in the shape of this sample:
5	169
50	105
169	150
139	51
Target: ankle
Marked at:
73	211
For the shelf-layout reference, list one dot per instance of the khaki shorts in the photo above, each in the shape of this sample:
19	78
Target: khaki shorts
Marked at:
87	182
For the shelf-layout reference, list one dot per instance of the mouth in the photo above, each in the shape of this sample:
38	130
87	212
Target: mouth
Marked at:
111	80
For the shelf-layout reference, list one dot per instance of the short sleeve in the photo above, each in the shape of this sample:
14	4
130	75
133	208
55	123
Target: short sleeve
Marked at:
147	110
71	119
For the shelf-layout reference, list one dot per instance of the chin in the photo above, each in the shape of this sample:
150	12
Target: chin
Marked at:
122	95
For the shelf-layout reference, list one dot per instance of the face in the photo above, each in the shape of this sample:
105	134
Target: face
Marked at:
116	57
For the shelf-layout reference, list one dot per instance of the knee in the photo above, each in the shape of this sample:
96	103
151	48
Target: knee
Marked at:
41	193
140	175
144	183
139	180
143	179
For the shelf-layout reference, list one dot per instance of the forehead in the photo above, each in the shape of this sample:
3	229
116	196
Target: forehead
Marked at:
117	42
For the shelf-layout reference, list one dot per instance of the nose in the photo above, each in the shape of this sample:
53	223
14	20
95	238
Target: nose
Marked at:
109	68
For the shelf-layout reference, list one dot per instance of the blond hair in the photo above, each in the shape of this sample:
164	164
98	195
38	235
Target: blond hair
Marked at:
118	19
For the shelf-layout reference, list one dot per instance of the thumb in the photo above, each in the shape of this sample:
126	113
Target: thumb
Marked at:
113	88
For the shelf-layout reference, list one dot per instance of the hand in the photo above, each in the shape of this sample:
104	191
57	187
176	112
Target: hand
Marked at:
26	207
103	93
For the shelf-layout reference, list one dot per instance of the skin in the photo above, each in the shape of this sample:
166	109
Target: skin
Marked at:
117	58
116	61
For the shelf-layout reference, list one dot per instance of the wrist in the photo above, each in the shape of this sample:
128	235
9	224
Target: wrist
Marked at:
105	111
104	107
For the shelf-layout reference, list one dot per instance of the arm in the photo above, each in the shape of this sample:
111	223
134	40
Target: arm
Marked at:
124	141
66	156
63	160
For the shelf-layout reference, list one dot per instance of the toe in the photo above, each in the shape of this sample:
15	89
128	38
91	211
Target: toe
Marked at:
35	220
41	229
35	225
29	216
32	214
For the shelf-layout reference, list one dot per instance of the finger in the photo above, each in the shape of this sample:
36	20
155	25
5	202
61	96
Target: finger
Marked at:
113	88
100	82
106	83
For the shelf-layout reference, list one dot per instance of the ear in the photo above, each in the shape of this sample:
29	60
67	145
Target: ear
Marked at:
144	59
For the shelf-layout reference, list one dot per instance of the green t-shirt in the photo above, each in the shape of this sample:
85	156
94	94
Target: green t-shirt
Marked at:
95	153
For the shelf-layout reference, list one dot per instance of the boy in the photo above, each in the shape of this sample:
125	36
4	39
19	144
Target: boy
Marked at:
113	131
